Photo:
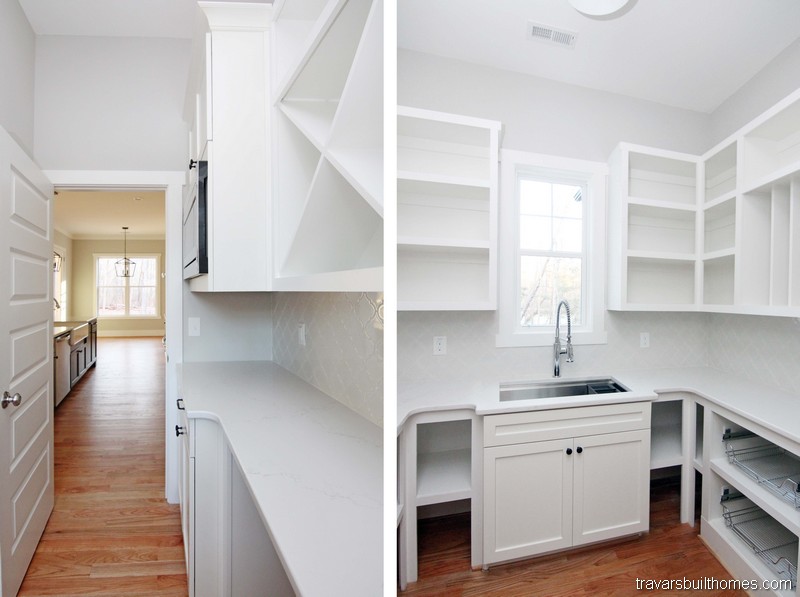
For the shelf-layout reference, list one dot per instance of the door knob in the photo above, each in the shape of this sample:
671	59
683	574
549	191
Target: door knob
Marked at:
14	400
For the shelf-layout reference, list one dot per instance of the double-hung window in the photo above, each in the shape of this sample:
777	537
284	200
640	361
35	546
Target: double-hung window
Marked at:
551	249
136	296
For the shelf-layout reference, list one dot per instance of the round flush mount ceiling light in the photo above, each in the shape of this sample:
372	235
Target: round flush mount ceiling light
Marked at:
598	8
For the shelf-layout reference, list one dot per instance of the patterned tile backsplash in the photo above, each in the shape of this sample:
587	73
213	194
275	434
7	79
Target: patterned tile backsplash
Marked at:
762	349
343	355
676	340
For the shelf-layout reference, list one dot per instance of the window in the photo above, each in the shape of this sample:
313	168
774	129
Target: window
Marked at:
137	296
551	248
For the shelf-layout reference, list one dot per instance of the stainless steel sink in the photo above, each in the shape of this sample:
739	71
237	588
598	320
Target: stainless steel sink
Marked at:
556	389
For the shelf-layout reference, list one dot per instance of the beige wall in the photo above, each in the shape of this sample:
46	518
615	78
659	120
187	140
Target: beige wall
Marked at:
82	295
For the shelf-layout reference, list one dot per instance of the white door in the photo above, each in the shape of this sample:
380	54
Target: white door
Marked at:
612	485
26	370
527	499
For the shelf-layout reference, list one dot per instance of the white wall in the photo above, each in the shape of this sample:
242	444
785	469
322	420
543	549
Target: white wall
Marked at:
545	116
343	355
17	52
105	103
777	80
234	326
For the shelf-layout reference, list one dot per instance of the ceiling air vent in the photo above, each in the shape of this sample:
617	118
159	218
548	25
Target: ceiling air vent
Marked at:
551	35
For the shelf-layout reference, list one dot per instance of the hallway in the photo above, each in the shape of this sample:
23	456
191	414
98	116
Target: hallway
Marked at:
111	531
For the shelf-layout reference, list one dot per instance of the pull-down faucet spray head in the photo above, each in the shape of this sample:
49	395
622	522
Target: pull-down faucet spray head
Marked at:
557	348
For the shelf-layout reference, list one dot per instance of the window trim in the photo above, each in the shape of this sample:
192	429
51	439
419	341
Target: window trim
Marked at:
133	256
594	175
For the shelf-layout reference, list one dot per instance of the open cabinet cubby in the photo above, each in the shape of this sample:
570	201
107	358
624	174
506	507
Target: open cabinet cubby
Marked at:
660	282
746	194
444	462
446	211
661	178
328	153
720	175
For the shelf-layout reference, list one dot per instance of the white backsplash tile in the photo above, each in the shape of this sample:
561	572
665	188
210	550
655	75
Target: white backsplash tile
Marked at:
676	340
343	355
762	349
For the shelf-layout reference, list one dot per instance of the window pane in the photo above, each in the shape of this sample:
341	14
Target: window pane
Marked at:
535	197
535	233
544	281
143	301
564	202
145	274
111	302
567	235
106	274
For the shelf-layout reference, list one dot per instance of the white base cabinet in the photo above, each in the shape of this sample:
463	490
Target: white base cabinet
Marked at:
228	550
563	478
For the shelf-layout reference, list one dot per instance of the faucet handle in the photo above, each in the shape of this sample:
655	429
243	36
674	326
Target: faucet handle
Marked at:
570	357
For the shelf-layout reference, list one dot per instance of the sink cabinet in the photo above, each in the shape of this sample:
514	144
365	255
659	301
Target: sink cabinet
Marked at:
561	478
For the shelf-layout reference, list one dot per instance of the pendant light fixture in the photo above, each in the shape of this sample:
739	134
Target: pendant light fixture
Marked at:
598	8
124	267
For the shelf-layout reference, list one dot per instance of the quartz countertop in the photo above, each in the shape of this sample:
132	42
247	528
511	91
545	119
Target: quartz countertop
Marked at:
313	467
762	404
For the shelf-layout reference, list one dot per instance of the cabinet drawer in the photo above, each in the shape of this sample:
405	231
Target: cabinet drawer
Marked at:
517	428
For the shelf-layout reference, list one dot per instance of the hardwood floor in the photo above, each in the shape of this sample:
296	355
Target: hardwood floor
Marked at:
111	531
669	551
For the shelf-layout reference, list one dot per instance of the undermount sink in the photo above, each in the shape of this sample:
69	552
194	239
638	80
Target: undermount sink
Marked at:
556	389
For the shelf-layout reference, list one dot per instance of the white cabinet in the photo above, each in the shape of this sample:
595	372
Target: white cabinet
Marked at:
446	211
652	229
751	504
227	102
718	232
562	478
328	145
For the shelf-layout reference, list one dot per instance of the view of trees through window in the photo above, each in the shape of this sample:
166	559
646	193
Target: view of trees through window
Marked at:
551	250
127	297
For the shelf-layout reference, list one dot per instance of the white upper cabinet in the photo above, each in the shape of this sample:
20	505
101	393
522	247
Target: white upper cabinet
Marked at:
446	211
741	254
328	145
227	103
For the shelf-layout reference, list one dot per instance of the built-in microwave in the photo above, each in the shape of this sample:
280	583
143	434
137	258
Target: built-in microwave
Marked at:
195	231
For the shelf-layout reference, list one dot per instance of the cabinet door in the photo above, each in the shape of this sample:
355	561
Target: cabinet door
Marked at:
527	499
612	485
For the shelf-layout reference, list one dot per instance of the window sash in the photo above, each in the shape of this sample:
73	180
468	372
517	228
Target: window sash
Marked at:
127	288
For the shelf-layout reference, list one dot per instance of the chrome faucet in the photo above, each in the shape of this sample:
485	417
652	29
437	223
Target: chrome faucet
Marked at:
557	349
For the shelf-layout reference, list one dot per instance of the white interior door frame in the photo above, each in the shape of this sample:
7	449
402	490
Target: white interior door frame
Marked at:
172	183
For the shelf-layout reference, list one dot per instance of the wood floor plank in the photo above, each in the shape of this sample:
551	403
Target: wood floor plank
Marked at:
669	551
111	531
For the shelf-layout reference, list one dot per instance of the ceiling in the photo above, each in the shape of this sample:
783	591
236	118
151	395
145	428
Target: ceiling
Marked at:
691	54
102	214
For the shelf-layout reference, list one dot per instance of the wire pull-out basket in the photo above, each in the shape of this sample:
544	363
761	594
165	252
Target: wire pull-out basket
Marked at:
771	466
769	539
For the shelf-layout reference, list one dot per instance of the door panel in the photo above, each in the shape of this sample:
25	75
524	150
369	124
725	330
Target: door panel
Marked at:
612	485
26	307
527	499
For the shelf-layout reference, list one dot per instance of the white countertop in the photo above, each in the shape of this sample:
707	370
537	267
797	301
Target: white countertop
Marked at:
314	467
762	404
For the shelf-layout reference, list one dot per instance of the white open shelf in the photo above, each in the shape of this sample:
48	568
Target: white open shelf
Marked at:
328	178
446	211
718	279
661	229
665	434
662	178
720	226
720	174
660	281
444	462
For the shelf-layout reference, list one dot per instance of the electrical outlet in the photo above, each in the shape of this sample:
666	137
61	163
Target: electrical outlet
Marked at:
440	345
194	326
301	334
644	340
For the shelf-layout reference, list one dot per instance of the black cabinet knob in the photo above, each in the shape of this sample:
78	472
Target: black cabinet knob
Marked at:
569	451
579	449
